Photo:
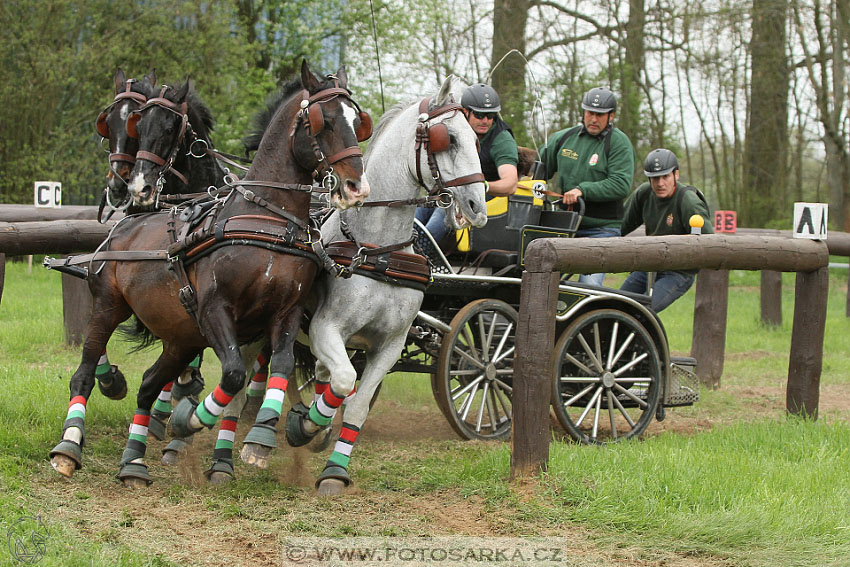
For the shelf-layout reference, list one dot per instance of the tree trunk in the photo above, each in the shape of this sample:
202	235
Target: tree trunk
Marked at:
767	133
509	18
628	112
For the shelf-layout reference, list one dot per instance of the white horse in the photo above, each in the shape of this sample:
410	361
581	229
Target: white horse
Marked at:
429	147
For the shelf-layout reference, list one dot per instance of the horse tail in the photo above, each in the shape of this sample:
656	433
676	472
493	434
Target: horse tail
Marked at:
135	331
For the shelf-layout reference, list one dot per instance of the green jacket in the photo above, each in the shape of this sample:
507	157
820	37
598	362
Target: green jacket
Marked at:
604	177
664	217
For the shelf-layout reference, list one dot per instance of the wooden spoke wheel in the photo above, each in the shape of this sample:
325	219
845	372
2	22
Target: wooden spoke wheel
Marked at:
607	378
474	380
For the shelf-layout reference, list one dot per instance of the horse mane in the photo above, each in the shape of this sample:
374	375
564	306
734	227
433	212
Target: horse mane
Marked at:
199	114
388	117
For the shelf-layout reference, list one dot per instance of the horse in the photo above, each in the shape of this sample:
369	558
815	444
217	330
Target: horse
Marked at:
194	285
427	145
190	171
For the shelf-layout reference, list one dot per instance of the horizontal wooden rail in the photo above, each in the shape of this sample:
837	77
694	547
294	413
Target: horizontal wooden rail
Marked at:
30	213
52	237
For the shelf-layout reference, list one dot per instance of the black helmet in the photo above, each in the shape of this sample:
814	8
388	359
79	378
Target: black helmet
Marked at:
600	100
660	162
481	98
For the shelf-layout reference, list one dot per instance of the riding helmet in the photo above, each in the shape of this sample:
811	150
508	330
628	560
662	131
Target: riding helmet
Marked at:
660	162
481	98
599	100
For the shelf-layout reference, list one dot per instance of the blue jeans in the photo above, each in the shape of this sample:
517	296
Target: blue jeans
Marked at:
434	220
668	287
596	232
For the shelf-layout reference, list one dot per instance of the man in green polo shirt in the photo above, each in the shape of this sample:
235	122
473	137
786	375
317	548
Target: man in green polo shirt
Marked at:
665	206
593	161
497	152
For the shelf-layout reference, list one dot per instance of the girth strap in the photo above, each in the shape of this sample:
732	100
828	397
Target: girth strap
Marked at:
387	260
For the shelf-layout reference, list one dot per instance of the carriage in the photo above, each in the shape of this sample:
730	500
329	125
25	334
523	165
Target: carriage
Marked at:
613	370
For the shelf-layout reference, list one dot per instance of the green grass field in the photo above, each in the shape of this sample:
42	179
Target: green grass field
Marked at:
730	481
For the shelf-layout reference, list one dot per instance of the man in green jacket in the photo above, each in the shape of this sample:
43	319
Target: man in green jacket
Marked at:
665	206
593	161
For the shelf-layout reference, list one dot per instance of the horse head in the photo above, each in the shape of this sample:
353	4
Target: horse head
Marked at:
451	156
325	133
165	128
130	95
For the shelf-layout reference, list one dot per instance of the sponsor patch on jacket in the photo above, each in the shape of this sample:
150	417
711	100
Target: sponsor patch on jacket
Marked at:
594	159
568	153
670	219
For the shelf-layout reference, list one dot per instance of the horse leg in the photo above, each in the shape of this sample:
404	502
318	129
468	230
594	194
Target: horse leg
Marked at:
189	416
66	456
110	380
302	424
257	385
335	478
189	384
221	469
260	441
133	471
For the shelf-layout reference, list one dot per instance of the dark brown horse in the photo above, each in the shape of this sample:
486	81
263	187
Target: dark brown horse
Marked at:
237	276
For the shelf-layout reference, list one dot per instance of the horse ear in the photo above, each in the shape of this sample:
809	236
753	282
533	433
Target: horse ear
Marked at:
181	93
342	76
119	81
308	79
151	77
444	96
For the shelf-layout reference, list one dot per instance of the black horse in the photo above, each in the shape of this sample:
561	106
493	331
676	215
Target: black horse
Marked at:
237	276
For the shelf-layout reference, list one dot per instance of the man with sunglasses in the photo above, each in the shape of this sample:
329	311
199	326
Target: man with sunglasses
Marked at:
594	161
497	152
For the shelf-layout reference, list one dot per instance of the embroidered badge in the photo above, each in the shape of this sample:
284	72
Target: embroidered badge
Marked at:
568	153
670	219
593	159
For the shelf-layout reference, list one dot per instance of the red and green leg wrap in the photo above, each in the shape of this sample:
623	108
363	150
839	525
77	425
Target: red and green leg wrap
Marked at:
223	452
324	409
212	406
257	385
160	413
337	465
73	432
263	431
273	403
132	461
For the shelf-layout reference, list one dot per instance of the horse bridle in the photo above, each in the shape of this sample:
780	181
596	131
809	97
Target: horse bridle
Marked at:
103	128
312	118
167	163
433	139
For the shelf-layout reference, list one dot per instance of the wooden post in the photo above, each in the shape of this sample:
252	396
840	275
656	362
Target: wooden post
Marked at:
771	298
535	338
708	345
806	358
76	308
2	273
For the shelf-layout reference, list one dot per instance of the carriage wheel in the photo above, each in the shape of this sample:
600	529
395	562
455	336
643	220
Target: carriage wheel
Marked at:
607	377
475	370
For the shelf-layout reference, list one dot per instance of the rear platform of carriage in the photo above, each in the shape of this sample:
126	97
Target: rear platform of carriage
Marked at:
613	370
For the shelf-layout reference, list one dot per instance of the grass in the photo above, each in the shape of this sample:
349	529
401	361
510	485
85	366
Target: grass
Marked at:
748	487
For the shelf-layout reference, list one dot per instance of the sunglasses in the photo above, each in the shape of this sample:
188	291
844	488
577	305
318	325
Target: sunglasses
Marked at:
484	115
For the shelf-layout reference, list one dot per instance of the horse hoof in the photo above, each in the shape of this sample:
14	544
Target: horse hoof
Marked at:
169	458
331	487
135	483
217	478
63	465
190	389
295	434
322	440
256	455
113	385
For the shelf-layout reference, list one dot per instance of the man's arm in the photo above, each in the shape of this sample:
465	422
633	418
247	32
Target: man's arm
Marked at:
506	184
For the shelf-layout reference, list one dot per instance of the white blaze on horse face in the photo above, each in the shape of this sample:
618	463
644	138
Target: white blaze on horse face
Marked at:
350	115
123	112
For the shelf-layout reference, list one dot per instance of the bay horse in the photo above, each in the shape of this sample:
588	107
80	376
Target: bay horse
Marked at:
427	146
239	275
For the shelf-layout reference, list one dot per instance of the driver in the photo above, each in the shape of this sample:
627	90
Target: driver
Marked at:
497	152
